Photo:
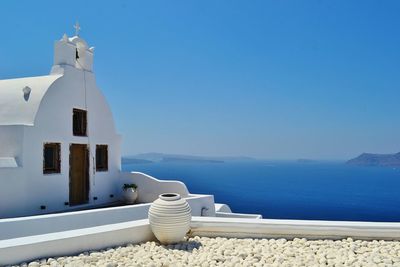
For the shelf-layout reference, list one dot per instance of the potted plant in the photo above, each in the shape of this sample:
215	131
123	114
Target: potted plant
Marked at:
130	193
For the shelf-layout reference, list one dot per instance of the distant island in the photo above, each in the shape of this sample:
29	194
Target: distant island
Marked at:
368	159
306	161
175	158
189	160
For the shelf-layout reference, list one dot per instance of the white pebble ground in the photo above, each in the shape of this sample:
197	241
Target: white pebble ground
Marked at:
203	251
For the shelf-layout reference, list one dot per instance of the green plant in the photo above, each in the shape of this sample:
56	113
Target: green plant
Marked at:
127	186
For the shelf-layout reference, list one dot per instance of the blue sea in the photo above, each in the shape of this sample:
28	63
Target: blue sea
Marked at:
291	190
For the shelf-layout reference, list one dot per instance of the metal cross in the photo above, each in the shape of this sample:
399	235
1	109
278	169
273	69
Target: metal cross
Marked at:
77	28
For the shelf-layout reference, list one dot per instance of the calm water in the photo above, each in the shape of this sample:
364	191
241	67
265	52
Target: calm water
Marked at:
332	191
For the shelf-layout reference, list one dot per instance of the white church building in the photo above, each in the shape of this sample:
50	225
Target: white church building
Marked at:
59	147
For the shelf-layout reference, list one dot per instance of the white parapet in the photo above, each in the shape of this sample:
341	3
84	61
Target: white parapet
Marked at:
237	215
149	188
201	205
18	250
268	228
72	242
223	210
220	207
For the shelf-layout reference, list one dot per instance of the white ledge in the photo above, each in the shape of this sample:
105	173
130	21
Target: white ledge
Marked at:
268	228
17	250
8	162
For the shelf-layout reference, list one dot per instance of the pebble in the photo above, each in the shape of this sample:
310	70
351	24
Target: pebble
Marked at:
204	251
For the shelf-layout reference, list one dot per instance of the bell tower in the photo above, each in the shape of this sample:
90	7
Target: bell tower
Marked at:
74	52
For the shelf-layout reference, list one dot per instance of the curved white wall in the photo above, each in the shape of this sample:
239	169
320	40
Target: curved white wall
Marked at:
149	188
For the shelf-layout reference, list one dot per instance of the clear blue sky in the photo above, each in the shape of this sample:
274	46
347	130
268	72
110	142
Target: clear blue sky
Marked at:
269	79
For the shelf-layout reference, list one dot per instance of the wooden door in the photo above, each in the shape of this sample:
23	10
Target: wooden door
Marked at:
78	174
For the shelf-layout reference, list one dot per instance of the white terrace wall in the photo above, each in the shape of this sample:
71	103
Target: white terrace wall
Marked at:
149	188
26	249
44	224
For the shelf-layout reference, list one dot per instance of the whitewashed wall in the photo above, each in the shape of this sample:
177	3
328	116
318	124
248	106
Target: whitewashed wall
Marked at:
11	179
49	223
11	137
149	188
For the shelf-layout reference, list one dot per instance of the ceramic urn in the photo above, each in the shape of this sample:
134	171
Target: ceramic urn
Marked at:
169	218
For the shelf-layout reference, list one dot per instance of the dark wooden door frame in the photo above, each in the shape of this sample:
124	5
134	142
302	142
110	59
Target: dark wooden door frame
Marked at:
84	197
